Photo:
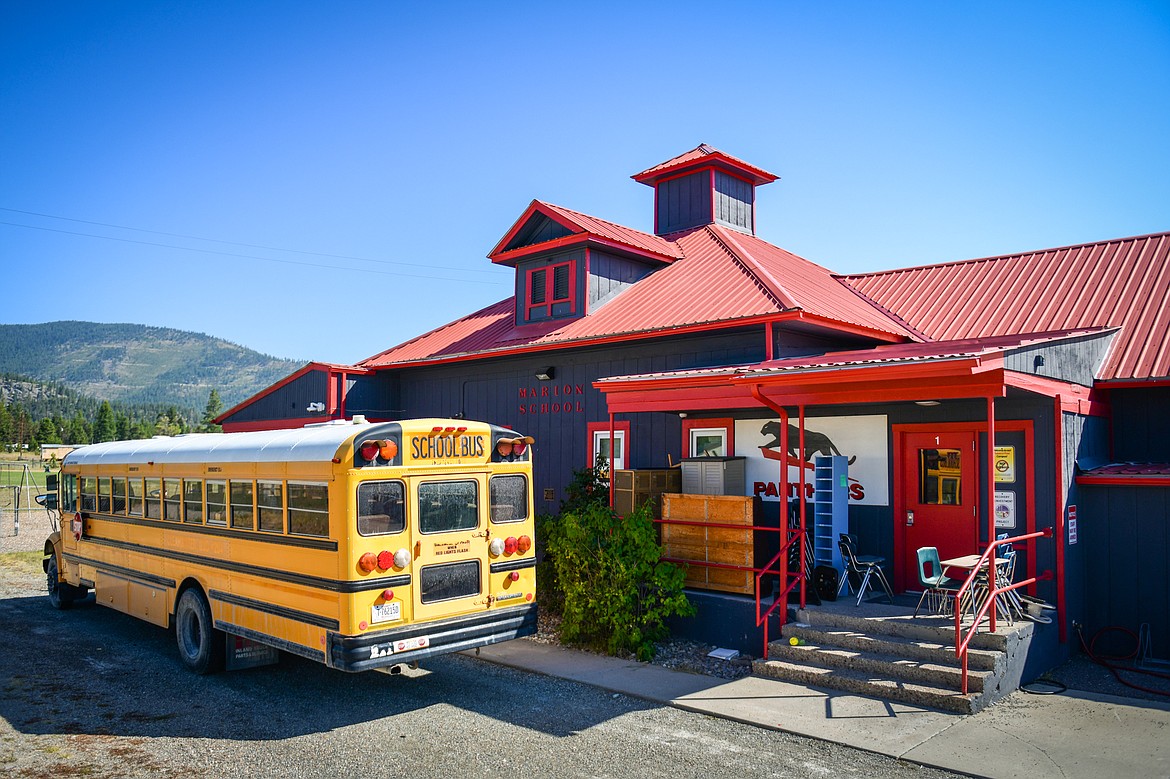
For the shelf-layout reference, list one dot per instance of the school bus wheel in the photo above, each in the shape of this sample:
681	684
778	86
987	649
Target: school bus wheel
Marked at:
61	594
201	646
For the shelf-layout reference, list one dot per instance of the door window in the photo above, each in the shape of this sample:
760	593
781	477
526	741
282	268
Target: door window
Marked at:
940	477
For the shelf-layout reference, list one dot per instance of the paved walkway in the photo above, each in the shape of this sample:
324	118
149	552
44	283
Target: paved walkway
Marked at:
1072	734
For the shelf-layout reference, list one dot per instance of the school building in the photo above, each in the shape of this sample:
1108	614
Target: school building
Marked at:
1012	394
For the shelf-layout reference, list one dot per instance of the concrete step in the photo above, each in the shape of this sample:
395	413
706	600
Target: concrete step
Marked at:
875	619
863	683
931	651
893	667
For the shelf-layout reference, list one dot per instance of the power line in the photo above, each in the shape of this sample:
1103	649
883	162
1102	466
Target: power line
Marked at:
253	256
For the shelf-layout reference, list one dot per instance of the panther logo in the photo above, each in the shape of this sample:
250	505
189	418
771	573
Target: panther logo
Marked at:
814	442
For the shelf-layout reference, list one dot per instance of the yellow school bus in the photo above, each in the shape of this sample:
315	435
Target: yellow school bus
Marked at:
362	546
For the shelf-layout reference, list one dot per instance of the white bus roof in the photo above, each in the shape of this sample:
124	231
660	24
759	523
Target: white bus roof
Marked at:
316	443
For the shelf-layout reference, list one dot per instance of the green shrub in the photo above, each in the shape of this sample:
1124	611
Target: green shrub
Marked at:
616	593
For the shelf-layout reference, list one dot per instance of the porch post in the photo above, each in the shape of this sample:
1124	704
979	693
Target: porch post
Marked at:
1058	528
991	503
803	524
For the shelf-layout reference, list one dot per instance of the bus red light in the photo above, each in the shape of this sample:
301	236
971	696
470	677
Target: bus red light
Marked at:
514	576
388	449
519	447
369	451
504	447
387	595
523	544
510	544
385	560
368	562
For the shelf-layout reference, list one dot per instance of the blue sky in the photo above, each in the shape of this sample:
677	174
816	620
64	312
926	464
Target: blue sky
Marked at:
321	181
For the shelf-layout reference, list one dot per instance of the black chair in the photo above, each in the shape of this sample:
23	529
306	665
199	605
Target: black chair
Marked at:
864	568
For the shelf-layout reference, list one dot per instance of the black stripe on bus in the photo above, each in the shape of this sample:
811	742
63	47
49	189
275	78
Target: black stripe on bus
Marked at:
323	544
147	578
316	582
276	611
273	641
512	565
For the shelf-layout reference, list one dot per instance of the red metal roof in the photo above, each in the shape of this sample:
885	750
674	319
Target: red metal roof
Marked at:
583	227
701	156
723	278
1122	283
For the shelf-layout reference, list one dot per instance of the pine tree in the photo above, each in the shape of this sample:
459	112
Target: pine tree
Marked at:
103	427
214	408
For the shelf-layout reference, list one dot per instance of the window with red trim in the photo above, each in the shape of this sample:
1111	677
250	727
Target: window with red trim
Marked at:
547	287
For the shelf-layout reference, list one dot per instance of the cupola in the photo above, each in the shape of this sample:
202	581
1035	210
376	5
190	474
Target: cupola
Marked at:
704	186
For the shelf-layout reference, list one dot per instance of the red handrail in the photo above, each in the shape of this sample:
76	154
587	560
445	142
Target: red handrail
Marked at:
782	597
994	591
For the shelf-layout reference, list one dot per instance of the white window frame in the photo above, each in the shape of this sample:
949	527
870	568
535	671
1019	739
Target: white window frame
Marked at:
696	432
620	437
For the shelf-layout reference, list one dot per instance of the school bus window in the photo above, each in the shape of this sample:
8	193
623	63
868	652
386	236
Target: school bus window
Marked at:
270	505
509	497
243	505
104	494
69	492
172	500
119	492
154	498
136	501
216	502
445	506
380	508
193	501
308	509
88	493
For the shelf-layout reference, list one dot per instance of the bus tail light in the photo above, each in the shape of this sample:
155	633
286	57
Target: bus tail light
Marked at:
514	576
388	450
510	544
496	547
368	562
523	544
387	595
385	560
402	558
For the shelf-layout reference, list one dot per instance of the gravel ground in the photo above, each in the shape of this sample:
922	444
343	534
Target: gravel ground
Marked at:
92	693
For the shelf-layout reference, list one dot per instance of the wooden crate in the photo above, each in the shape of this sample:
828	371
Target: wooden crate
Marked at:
730	546
633	488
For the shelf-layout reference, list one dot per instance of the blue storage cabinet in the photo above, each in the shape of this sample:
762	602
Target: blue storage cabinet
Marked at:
830	509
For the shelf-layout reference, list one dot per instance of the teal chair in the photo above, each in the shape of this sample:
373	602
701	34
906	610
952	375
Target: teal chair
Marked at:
935	584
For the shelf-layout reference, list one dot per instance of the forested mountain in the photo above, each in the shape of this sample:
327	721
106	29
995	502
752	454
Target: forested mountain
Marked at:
136	365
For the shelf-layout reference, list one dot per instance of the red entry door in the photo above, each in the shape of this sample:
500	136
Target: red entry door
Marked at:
939	477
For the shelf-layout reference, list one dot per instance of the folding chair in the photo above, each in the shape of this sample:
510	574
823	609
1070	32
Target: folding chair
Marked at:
865	570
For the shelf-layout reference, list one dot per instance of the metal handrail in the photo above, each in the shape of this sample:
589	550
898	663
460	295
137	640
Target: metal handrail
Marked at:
781	597
962	644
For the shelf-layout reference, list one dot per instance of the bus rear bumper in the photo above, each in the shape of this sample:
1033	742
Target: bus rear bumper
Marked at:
412	643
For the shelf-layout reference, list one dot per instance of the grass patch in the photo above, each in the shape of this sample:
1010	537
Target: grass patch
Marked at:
23	563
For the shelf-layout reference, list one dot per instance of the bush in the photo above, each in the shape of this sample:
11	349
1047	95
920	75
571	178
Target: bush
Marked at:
616	593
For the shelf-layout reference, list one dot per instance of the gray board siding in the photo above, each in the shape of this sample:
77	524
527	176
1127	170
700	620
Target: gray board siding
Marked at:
684	202
538	230
1074	360
1141	424
733	201
609	275
289	402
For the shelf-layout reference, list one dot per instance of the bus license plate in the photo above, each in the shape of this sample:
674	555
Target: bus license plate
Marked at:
386	612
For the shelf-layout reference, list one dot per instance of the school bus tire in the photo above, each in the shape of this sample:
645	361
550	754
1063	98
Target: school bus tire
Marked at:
61	594
201	646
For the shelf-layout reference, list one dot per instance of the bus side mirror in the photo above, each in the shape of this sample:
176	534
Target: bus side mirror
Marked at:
48	500
51	482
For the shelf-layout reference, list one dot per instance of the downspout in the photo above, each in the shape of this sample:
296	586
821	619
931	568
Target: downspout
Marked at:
1059	535
759	396
803	524
612	475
